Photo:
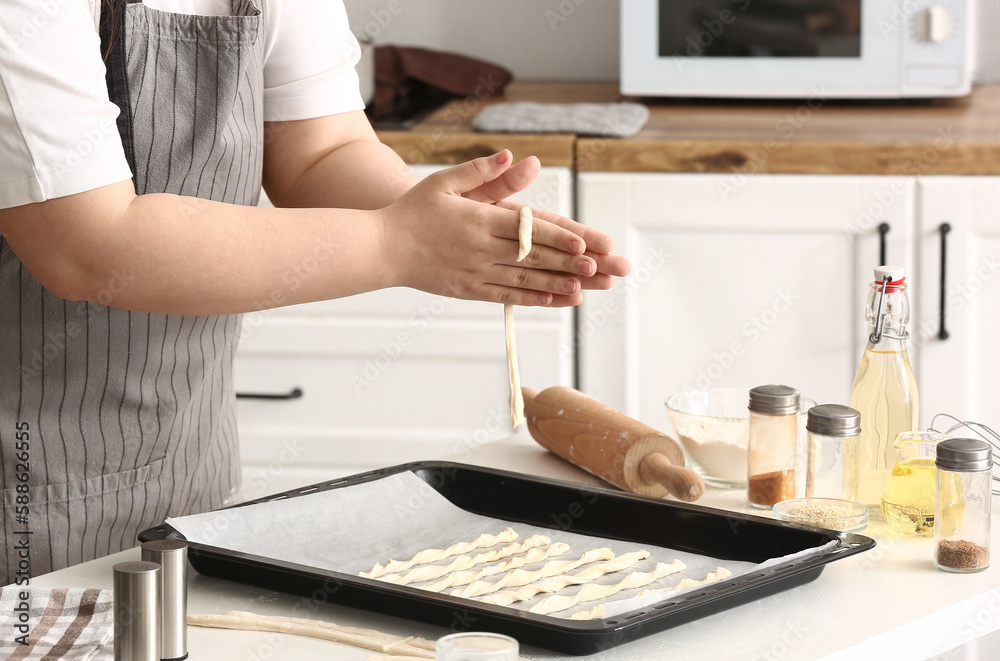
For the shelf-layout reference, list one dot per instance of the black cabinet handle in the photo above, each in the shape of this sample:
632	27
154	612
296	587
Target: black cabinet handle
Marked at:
883	229
295	393
942	329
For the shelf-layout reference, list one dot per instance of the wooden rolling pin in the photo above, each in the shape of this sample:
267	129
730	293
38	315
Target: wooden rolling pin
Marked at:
609	444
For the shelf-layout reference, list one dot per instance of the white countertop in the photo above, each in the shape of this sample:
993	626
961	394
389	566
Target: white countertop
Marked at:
887	603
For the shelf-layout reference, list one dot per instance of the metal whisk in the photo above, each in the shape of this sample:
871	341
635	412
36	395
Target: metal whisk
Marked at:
969	429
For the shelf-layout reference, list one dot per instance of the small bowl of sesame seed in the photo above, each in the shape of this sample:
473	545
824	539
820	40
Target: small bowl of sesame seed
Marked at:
830	513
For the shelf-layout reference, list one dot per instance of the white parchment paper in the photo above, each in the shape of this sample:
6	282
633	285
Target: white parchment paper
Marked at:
349	529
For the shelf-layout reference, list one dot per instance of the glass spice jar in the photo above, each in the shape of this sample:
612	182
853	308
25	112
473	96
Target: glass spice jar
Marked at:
833	442
962	512
772	445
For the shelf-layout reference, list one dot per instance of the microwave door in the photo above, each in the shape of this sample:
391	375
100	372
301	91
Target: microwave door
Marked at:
763	28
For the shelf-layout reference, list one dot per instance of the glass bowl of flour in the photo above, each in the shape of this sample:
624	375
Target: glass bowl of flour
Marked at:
712	426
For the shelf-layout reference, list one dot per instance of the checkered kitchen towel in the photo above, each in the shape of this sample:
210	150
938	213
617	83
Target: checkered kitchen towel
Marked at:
75	624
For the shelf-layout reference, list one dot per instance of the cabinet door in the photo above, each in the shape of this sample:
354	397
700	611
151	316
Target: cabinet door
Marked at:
391	376
959	375
736	282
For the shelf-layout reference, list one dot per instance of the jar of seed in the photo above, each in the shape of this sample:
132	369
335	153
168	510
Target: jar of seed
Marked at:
962	512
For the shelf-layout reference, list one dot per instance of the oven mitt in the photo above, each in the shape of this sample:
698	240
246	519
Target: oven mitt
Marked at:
612	120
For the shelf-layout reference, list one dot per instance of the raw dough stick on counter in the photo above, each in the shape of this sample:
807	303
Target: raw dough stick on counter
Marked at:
556	583
516	398
596	591
466	577
434	555
366	638
462	562
520	577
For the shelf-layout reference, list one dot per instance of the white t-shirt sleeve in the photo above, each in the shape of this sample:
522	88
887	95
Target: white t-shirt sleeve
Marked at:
310	55
58	134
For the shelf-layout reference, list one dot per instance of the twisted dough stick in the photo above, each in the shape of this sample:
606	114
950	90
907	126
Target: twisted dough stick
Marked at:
421	574
466	577
597	611
720	574
556	583
366	638
520	577
433	555
516	399
595	591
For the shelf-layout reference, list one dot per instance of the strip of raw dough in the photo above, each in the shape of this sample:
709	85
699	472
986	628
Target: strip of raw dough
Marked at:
720	574
366	638
556	583
467	577
462	562
596	591
598	611
516	398
594	613
434	555
520	577
524	233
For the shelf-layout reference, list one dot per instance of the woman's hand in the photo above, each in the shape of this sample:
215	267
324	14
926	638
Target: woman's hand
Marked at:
455	234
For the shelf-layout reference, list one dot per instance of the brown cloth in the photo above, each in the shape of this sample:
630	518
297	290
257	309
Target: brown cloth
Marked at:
409	81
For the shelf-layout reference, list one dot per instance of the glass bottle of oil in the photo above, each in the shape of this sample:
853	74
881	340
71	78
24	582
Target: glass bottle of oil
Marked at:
884	392
908	496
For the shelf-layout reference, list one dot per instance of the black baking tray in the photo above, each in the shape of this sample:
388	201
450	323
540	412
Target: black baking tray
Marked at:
560	506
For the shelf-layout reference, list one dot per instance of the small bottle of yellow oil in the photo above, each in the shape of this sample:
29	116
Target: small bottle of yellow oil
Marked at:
908	496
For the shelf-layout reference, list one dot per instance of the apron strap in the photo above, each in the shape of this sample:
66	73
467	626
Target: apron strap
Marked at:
112	31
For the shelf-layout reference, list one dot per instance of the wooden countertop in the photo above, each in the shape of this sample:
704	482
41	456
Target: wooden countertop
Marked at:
811	136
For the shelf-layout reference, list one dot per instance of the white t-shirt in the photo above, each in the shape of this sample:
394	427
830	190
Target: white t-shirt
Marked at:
57	125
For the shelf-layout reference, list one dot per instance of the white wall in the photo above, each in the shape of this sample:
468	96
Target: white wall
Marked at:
549	39
535	39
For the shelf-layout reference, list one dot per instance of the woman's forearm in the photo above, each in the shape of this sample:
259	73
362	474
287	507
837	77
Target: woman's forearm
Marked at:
182	255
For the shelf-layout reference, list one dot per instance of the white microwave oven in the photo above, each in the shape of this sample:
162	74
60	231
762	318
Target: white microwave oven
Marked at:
797	48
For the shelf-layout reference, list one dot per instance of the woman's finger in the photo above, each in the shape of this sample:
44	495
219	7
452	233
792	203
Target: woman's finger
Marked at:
514	180
615	265
543	233
594	239
542	257
470	175
526	297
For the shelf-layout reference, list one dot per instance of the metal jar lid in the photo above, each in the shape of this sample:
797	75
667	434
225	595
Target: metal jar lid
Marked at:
834	420
964	455
774	400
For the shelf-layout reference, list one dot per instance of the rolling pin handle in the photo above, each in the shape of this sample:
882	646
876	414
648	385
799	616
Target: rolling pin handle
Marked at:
528	394
683	483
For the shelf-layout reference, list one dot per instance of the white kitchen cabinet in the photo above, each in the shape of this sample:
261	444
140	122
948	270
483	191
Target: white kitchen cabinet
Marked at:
391	376
745	281
736	281
959	375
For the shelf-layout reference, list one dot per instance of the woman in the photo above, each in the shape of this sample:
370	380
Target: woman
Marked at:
135	137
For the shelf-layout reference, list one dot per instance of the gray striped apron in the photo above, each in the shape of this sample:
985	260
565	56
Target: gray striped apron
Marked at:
126	417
